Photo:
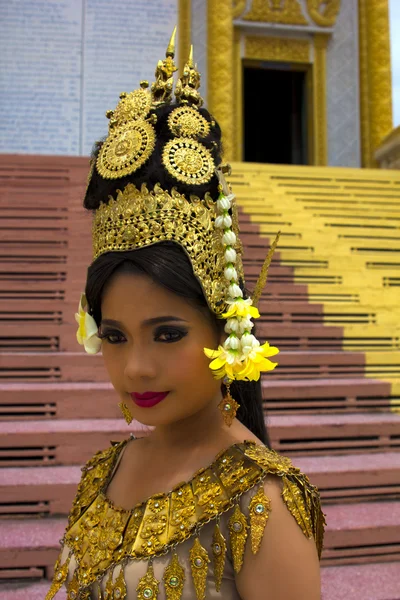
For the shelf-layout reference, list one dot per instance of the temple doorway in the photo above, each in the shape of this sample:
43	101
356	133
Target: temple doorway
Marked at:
276	113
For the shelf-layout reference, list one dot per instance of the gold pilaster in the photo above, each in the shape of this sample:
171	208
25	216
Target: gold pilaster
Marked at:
220	67
375	77
319	101
184	31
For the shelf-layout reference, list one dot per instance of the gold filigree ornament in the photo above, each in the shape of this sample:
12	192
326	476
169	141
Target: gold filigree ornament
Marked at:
187	121
138	218
199	560
126	149
259	508
188	160
148	585
174	578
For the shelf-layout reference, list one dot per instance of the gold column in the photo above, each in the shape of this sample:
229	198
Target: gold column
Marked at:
184	31
220	69
375	77
319	101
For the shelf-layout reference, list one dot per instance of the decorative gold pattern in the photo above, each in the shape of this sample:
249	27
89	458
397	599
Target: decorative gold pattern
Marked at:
320	110
277	49
375	77
148	586
119	590
126	149
238	8
187	121
174	578
103	537
276	11
237	535
324	13
199	560
188	161
132	106
259	508
228	407
150	217
60	576
126	413
219	60
219	555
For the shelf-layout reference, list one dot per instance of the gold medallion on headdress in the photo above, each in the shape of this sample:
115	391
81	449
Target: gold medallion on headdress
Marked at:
126	149
131	136
188	122
188	161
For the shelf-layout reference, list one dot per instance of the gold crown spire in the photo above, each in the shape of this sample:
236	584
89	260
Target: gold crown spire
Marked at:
161	89
186	90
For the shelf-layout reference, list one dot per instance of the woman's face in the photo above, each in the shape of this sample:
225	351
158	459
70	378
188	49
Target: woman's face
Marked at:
156	345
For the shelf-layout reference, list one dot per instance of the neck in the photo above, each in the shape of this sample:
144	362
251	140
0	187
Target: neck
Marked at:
205	428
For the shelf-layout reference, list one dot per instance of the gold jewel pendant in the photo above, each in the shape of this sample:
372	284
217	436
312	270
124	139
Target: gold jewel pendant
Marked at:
148	585
187	121
259	508
126	149
219	552
238	534
188	161
174	578
199	560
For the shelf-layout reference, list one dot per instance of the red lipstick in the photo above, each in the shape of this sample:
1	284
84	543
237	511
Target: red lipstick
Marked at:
148	399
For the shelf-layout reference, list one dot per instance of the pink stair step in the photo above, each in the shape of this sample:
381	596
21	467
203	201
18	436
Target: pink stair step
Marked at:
376	581
345	478
57	442
334	433
305	396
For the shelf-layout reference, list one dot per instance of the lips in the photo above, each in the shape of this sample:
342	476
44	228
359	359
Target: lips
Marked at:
148	399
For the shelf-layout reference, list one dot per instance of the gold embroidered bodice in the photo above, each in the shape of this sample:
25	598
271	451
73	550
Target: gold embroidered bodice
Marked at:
187	544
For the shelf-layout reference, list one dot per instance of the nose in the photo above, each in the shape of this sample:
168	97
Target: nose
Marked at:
139	364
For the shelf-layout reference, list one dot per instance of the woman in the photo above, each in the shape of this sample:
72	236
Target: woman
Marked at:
201	507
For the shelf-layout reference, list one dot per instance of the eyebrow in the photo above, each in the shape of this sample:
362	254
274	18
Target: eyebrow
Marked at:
152	321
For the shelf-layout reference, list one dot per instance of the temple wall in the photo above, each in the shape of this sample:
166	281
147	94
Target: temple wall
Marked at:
343	102
64	62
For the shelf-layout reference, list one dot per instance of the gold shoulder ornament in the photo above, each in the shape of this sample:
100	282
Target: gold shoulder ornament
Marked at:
105	540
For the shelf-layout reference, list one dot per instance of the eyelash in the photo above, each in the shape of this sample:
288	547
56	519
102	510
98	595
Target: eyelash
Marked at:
106	335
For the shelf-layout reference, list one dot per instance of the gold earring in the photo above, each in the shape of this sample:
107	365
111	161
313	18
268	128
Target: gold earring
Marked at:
125	412
228	406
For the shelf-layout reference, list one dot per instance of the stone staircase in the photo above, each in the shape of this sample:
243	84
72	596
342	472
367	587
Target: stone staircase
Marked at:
331	304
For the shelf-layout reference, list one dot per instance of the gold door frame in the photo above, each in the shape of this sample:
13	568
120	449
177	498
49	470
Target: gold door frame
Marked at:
303	54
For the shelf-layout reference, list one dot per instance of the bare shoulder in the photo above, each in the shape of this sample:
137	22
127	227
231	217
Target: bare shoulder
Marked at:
286	565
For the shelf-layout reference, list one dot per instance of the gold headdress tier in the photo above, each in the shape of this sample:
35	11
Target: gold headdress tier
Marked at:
139	218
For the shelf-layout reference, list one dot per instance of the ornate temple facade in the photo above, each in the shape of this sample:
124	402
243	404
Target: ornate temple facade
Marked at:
339	51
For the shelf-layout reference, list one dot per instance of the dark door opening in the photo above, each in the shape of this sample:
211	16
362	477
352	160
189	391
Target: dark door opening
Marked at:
275	115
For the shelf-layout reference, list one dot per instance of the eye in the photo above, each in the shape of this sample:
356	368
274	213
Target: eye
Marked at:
169	334
110	336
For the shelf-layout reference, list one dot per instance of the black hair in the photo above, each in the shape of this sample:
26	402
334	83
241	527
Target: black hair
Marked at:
166	263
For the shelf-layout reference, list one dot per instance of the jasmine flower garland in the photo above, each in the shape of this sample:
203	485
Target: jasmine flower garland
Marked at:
241	357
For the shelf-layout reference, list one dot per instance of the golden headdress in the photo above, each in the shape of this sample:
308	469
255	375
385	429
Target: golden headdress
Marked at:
206	229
